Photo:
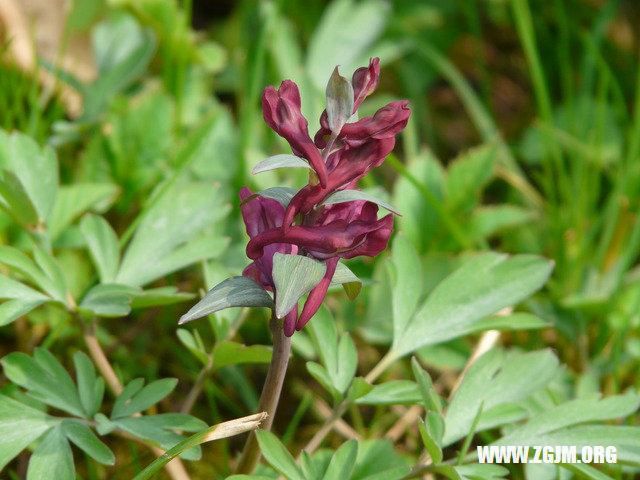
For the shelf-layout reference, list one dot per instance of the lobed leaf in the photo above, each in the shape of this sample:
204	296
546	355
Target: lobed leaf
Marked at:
45	379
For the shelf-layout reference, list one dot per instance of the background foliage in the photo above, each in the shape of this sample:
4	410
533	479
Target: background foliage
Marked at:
523	145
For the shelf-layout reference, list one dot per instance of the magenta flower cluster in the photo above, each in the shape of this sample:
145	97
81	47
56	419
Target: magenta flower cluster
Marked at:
339	160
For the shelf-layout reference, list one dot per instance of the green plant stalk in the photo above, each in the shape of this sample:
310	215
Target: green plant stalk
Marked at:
270	395
524	27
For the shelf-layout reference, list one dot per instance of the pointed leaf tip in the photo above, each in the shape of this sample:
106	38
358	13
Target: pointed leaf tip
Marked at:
233	292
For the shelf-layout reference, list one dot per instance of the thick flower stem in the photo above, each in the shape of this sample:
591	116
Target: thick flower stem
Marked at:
270	395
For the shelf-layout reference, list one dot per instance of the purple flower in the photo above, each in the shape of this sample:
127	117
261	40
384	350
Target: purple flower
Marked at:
385	123
263	214
347	166
281	111
365	80
344	230
306	227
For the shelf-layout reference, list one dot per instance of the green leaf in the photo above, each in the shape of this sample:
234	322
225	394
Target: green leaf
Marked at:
249	477
57	286
11	289
280	161
294	276
347	363
339	357
148	428
75	199
586	471
169	237
108	300
123	51
406	276
175	421
352	195
129	390
36	169
467	175
429	395
395	392
102	242
321	375
343	461
514	321
496	378
22	264
104	426
90	387
15	201
572	413
13	309
481	287
277	455
20	426
359	388
146	397
231	353
345	30
435	426
431	445
153	297
282	195
626	439
339	101
52	458
421	218
233	292
45	379
188	340
483	471
85	439
393	473
198	250
377	460
350	282
491	219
